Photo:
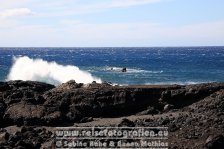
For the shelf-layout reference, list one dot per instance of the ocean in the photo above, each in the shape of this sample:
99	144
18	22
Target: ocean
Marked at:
160	65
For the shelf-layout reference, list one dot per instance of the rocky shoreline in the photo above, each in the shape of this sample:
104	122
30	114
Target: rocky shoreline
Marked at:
29	111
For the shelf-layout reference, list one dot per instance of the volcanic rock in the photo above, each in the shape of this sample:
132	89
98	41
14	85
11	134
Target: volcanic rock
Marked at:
191	112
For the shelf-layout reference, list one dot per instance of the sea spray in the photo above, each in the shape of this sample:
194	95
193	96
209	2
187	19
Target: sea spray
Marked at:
25	68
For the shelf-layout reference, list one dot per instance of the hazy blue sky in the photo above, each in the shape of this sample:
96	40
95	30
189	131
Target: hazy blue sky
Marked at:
86	23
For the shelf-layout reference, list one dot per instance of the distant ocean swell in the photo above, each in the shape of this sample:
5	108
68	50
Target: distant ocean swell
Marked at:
180	65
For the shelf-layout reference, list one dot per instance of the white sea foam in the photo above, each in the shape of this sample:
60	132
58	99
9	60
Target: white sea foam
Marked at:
178	82
25	68
131	70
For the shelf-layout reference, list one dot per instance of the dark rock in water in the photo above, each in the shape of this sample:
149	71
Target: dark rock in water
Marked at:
124	69
216	142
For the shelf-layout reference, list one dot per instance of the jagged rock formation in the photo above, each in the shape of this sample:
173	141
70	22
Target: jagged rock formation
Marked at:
193	112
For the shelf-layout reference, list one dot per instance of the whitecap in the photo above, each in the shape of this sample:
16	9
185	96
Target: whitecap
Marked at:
172	83
131	70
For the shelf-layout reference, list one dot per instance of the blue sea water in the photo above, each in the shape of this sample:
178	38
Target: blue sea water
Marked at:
165	65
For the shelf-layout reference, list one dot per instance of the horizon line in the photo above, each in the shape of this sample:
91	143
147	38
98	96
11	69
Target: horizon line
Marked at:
111	46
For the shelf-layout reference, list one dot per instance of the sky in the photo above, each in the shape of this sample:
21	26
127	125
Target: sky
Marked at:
111	23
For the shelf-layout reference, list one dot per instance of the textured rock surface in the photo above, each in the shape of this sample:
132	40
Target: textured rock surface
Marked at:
192	112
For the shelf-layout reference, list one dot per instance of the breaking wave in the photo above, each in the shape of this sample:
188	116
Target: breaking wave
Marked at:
25	68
